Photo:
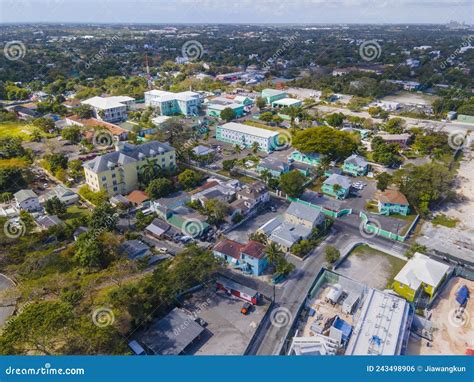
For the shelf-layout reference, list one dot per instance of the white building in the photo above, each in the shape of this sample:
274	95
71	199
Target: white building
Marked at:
110	109
245	136
187	103
27	200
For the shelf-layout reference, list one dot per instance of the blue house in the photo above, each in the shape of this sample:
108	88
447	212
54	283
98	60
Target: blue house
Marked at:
275	167
356	165
250	258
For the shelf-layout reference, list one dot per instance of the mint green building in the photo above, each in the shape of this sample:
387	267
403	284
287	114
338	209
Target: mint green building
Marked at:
215	109
312	159
393	202
337	186
272	95
245	136
356	165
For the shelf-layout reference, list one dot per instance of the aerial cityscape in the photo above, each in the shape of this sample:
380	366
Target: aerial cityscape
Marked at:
242	183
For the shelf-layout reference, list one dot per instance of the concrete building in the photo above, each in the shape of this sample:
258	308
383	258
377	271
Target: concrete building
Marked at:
313	159
187	103
117	172
110	109
337	185
254	194
393	202
286	102
356	165
272	95
245	136
420	275
215	109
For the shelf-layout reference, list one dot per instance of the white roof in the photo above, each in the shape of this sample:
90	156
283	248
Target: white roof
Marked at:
169	96
107	102
160	119
250	130
287	101
218	106
421	269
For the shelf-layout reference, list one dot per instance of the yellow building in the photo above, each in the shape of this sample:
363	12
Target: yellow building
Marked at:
420	274
117	172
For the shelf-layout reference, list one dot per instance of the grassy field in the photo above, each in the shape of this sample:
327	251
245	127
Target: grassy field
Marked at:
13	162
445	221
75	212
16	129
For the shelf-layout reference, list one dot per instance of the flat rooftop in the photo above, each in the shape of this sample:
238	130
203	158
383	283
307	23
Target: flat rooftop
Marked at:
250	130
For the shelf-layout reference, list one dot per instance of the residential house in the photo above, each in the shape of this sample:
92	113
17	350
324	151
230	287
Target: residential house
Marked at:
64	194
254	194
117	172
187	103
400	139
27	200
117	132
79	231
275	167
202	151
250	257
110	109
48	221
356	165
221	191
138	198
311	159
245	136
337	185
393	202
296	224
158	229
420	275
134	249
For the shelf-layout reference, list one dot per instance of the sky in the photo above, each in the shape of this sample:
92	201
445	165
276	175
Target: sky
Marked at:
237	11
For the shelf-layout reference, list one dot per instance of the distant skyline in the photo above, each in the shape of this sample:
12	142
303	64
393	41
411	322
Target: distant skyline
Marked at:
243	11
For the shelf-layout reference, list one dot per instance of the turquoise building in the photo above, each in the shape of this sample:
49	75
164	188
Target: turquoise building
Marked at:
338	186
215	109
272	95
312	159
393	202
356	165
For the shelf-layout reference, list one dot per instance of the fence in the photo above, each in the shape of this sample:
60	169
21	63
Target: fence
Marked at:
370	228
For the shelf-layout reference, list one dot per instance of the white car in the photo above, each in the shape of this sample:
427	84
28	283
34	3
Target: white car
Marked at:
162	249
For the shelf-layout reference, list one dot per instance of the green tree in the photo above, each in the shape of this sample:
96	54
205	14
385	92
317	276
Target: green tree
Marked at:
103	217
54	206
216	210
159	188
228	164
72	134
189	179
40	328
292	183
260	103
228	114
335	119
383	181
332	254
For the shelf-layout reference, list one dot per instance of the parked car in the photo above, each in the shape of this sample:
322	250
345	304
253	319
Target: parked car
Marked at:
162	250
246	308
201	322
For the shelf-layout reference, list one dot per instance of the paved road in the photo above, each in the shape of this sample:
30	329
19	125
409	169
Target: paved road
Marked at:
7	305
292	294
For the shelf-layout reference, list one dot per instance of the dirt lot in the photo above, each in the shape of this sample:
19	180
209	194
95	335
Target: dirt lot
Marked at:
451	336
371	267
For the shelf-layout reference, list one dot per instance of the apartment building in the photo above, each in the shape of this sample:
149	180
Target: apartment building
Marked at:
187	103
245	136
117	172
110	109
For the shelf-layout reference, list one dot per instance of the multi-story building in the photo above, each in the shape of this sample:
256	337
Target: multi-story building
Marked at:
110	109
250	257
187	103
313	159
27	200
272	95
245	136
356	165
400	139
393	202
117	172
337	185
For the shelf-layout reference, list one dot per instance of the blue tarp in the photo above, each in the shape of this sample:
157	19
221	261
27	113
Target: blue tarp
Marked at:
344	327
462	295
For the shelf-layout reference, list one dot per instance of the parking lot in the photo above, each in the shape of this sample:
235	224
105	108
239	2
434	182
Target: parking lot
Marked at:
228	331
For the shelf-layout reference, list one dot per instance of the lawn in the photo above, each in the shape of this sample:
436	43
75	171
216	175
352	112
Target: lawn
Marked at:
75	212
445	221
13	162
21	130
264	126
239	177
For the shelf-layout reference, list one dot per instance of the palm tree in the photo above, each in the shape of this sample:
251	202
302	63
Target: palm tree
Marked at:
265	175
255	147
237	149
149	171
274	253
